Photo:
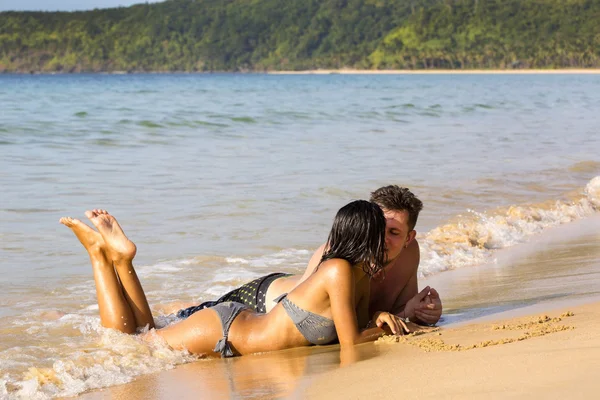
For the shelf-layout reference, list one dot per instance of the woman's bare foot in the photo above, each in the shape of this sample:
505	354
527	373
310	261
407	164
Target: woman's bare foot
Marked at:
89	238
119	247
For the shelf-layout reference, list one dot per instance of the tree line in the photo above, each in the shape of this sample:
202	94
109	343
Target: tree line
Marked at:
261	35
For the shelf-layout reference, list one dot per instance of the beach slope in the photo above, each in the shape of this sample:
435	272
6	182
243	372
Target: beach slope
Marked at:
554	355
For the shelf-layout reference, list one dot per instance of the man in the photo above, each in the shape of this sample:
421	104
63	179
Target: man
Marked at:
395	290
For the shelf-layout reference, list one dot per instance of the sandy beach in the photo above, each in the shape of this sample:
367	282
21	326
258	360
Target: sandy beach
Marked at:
553	355
546	355
349	71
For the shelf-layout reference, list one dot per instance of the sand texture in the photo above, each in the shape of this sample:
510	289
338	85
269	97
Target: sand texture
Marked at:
543	356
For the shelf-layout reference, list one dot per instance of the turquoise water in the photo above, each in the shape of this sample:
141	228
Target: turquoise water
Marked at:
221	177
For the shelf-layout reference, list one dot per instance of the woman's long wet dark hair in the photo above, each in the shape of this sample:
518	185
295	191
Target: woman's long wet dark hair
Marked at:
358	236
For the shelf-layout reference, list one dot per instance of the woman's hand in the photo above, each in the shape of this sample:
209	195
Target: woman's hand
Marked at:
395	323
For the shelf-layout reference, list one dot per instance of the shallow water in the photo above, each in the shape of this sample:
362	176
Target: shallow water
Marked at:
560	266
221	178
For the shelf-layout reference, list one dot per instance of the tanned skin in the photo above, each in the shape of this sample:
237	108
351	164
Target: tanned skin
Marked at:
337	290
396	289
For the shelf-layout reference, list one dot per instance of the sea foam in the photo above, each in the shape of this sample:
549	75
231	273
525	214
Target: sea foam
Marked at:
472	239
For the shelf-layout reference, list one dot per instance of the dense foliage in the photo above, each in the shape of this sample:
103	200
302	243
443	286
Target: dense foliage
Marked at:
242	35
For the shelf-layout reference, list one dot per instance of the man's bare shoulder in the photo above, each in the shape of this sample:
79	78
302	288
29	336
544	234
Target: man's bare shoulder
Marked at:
313	262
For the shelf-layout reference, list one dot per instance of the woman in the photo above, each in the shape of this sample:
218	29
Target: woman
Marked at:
331	304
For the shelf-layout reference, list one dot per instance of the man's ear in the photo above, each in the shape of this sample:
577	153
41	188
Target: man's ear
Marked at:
411	236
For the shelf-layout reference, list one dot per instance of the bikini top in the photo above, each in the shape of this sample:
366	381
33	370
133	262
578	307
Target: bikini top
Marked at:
315	328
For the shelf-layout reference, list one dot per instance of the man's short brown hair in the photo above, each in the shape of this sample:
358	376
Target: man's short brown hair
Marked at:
396	198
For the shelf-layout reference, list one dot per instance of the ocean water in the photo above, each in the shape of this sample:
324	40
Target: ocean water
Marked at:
220	178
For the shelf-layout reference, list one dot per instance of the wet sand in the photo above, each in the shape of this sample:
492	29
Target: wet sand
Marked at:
546	355
261	376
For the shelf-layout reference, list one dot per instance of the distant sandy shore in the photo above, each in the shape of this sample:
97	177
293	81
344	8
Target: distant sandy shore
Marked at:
343	71
437	71
540	356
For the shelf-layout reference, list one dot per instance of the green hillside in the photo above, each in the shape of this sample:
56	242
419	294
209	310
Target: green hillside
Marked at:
258	35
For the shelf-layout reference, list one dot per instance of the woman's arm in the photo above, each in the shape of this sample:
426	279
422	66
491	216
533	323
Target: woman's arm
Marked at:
340	283
362	303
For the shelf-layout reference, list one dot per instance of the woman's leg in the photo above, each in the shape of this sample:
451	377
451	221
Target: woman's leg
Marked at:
115	311
121	251
197	334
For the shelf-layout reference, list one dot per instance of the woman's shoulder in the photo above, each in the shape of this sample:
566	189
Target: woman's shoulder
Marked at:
336	266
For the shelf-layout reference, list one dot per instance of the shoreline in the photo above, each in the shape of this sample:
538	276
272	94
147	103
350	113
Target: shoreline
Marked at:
342	71
439	71
548	269
544	340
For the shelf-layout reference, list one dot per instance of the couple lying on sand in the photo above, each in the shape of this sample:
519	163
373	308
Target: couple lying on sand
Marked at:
358	286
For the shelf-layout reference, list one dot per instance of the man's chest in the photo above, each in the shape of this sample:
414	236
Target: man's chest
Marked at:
386	289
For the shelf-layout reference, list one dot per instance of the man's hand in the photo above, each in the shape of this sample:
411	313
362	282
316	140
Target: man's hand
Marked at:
429	310
413	304
424	307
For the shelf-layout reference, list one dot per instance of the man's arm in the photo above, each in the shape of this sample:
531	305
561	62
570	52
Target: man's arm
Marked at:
313	263
423	307
411	256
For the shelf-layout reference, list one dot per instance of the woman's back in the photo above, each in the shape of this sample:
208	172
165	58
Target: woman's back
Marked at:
305	315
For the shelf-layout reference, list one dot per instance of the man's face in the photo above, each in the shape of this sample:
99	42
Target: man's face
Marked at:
397	233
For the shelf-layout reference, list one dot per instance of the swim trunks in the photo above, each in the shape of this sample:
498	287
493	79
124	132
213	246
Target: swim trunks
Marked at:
251	294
